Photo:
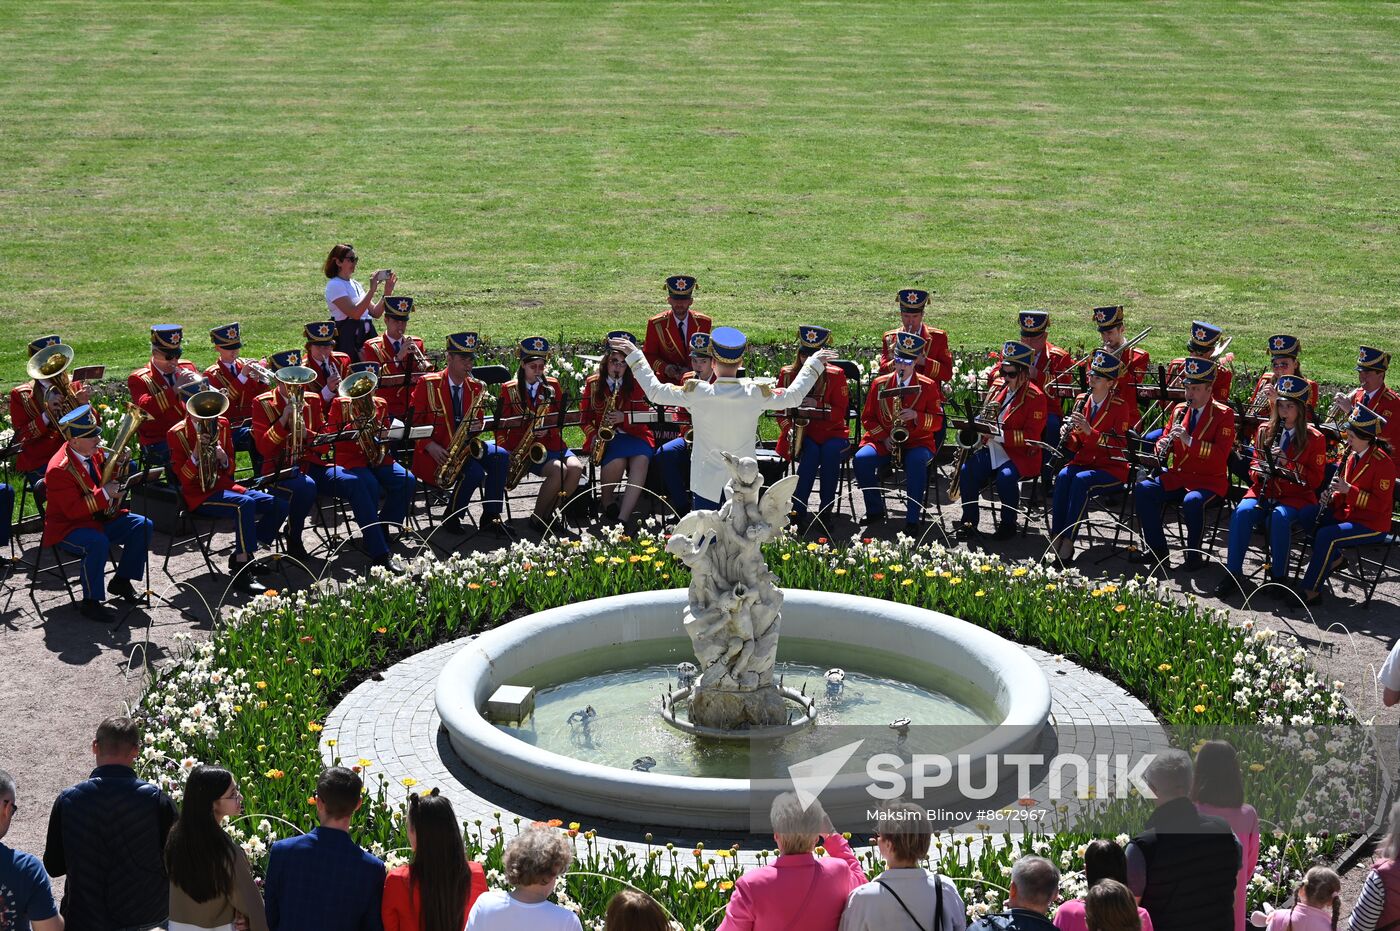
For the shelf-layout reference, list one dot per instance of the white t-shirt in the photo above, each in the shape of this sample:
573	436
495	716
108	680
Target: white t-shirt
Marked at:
871	907
1390	672
497	911
342	287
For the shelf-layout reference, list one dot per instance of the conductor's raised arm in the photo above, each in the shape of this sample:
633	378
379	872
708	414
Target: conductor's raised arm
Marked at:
657	391
793	394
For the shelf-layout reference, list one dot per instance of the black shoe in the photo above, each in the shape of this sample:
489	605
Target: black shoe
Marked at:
262	568
803	522
611	516
1004	531
249	585
538	525
124	590
94	610
915	528
964	530
1229	587
1194	562
454	525
1150	557
493	523
297	550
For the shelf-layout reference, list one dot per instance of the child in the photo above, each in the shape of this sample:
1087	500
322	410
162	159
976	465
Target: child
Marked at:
1318	907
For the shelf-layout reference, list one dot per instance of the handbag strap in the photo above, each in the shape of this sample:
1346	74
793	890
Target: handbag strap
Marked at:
937	908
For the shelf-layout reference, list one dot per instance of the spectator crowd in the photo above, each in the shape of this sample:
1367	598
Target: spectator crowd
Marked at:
133	861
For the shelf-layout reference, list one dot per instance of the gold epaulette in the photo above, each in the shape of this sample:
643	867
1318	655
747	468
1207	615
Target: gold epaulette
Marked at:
767	389
690	384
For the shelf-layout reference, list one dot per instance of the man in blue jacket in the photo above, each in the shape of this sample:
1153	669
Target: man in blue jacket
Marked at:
323	879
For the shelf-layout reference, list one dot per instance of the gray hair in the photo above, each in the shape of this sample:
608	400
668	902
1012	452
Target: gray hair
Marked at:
1169	775
7	784
537	855
1036	880
796	829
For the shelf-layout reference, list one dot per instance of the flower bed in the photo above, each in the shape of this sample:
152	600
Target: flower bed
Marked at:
254	697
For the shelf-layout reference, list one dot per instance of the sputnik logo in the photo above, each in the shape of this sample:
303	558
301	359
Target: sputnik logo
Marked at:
810	777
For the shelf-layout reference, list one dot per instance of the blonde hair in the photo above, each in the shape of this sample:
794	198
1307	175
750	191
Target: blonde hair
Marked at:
1320	886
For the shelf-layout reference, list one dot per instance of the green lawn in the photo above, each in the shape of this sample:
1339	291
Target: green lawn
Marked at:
541	167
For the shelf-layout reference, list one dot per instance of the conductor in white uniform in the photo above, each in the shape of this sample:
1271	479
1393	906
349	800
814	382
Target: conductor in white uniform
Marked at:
725	412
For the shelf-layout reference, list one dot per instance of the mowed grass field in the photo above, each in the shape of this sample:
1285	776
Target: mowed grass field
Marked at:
541	167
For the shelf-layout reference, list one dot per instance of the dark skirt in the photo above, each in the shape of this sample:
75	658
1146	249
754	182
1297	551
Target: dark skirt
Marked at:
351	335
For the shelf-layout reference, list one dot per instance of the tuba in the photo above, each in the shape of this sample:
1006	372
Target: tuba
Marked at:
204	409
529	451
463	444
358	388
294	379
51	364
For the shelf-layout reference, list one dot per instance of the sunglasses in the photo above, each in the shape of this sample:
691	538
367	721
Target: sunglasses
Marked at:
352	257
171	355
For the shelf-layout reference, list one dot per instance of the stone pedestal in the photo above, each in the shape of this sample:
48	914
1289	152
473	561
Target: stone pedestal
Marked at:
725	710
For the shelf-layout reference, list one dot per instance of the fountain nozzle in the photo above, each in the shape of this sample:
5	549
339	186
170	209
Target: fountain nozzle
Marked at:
835	681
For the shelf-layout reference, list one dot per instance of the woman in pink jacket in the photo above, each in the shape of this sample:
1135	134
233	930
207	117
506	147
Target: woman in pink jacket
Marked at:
1217	788
798	889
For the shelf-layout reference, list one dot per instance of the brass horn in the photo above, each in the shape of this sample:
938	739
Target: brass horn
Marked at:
50	362
358	384
207	404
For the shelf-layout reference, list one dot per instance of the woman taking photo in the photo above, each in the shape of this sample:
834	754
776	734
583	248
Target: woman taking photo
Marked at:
211	884
353	309
437	890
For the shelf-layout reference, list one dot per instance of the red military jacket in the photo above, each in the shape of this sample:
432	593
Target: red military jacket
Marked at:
1134	369
1022	420
242	391
1268	379
380	349
1386	403
269	435
938	358
1050	365
75	501
878	415
664	344
339	359
1106	445
348	453
38	438
1307	456
1371	500
432	403
1220	388
831	392
549	434
1204	463
151	392
184	444
591	411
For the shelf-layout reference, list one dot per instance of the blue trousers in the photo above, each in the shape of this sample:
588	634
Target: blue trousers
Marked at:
1074	487
490	468
698	503
1279	523
867	463
257	517
673	459
1051	435
1329	540
975	473
361	488
298	491
1149	498
7	502
822	459
243	443
131	532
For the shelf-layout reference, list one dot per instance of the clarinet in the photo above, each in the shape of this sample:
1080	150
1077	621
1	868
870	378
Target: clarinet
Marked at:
1330	493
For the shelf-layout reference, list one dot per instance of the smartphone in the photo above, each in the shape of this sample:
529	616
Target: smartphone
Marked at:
383	274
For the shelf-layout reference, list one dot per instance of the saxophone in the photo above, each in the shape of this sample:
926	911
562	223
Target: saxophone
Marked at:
463	444
899	433
529	451
606	431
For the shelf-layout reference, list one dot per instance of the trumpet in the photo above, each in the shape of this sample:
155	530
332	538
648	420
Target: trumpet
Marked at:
205	408
259	372
51	364
358	388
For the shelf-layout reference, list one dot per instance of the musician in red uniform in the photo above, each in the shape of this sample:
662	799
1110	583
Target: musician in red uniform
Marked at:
531	393
1361	499
1199	435
827	433
1290	458
76	518
673	458
1096	436
1110	322
919	406
632	445
232	376
272	425
257	516
1283	360
35	409
1371	366
155	389
937	361
1009	453
397	353
443	399
365	471
667	345
1204	339
329	364
1050	365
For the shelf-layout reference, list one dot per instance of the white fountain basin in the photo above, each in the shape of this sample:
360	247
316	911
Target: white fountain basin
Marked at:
1006	674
